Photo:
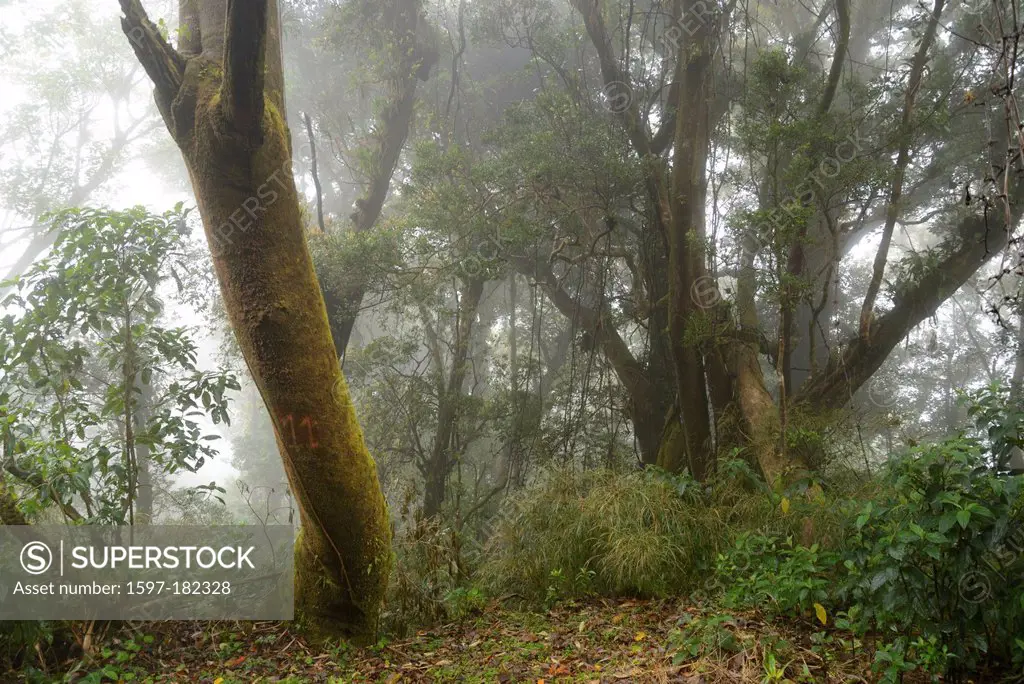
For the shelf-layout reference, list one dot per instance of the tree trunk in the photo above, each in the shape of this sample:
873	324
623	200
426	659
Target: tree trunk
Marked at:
648	408
511	469
144	474
233	136
1017	379
449	397
414	58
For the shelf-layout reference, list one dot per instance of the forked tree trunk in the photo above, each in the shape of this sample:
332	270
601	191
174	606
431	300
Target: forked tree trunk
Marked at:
224	109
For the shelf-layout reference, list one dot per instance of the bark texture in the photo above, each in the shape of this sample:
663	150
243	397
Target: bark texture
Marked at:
225	114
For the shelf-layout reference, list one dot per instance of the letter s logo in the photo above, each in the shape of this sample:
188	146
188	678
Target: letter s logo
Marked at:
36	558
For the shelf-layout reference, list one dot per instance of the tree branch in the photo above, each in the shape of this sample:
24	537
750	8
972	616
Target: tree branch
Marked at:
244	60
415	61
667	132
627	368
34	480
983	237
614	77
165	67
902	160
842	44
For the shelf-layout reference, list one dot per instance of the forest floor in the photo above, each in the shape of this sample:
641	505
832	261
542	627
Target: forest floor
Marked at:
597	641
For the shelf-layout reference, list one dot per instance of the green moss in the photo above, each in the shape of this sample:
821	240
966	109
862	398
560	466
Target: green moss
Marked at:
342	558
672	450
10	514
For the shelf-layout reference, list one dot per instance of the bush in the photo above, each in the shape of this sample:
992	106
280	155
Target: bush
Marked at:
638	534
429	569
777	573
19	639
940	555
931	560
932	564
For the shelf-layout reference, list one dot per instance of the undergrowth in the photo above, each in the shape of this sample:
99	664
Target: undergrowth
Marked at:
643	534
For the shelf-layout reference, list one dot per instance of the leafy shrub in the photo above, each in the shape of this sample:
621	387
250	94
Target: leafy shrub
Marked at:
787	577
939	555
931	562
893	660
641	534
708	636
463	601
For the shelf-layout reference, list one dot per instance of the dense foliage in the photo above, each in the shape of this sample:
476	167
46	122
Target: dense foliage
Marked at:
100	399
713	306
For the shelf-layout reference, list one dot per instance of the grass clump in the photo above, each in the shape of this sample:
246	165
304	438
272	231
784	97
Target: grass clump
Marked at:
642	534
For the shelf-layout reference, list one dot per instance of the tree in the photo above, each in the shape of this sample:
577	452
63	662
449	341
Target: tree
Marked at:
221	96
791	152
58	149
97	396
404	41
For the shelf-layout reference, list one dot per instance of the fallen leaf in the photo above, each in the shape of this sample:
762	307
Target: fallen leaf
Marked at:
819	610
640	636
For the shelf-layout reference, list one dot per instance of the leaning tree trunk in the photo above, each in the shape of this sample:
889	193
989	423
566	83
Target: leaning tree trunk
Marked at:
415	56
222	102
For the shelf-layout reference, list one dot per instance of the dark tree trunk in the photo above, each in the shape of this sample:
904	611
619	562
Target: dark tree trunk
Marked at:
450	396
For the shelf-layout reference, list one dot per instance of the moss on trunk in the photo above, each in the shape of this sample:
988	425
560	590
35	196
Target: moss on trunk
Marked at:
236	147
250	210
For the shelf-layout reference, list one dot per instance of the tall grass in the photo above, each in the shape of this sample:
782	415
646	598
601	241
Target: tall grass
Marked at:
602	532
644	534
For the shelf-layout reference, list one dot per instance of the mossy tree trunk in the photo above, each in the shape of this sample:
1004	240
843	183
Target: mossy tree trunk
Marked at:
222	101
